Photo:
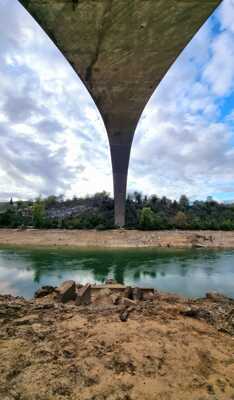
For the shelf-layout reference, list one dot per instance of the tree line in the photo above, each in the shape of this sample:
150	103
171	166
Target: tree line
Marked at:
97	212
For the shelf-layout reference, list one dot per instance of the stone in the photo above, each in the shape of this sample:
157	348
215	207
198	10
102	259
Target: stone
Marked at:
214	296
198	313
103	296
44	291
84	295
111	281
128	302
136	293
148	296
27	320
115	298
79	285
124	315
128	292
66	291
44	306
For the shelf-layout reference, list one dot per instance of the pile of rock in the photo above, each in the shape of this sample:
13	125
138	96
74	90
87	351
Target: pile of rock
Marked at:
109	293
67	291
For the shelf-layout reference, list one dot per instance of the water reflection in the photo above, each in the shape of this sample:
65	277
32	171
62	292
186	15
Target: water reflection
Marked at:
191	272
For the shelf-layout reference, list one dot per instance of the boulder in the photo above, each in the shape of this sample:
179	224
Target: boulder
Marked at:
128	292
215	296
66	291
148	296
115	298
128	302
84	295
44	291
136	293
111	281
124	315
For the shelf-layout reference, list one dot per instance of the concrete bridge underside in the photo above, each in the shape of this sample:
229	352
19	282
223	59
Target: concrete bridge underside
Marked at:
121	49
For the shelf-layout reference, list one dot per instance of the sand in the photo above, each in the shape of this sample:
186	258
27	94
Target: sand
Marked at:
117	238
169	348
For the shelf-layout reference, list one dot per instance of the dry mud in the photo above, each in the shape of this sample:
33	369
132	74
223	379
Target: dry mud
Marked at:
119	238
169	348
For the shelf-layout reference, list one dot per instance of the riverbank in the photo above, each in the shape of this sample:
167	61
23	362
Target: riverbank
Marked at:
120	238
162	347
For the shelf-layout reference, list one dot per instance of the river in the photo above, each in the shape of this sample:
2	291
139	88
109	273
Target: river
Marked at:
188	272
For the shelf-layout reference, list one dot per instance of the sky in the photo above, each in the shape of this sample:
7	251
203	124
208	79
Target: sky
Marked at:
52	138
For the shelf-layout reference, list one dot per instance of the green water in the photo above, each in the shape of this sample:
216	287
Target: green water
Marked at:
189	272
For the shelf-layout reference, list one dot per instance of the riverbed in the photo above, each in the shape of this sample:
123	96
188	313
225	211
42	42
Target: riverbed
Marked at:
190	272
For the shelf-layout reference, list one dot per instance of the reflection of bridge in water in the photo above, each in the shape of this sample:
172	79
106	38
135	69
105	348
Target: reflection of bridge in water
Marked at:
121	50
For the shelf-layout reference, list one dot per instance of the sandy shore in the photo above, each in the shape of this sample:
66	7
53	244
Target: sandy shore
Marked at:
117	238
169	348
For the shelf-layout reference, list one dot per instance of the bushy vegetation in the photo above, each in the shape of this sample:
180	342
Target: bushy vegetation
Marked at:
162	213
97	212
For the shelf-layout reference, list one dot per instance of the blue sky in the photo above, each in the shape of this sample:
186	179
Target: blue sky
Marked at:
53	139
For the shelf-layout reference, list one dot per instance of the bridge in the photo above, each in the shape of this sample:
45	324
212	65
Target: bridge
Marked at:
121	49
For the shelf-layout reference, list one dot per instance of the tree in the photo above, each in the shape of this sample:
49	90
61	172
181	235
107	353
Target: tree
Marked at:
38	213
180	220
50	201
183	202
138	198
147	218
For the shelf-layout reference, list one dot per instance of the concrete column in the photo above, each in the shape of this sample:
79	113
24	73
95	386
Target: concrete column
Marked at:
120	153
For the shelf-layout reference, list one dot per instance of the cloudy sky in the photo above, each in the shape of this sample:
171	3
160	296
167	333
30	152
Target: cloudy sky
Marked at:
52	139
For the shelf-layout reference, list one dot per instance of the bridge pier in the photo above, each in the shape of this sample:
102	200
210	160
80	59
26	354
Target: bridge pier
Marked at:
120	141
120	154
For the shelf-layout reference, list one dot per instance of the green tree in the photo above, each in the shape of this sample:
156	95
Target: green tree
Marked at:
183	202
147	218
38	213
181	220
138	197
50	201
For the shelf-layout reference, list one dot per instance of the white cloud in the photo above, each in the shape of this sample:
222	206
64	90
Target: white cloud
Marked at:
226	15
219	72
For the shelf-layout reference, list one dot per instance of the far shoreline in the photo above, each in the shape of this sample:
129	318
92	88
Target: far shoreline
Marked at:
117	239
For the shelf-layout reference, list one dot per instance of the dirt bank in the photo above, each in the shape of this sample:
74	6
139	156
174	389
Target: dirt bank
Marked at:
168	348
117	238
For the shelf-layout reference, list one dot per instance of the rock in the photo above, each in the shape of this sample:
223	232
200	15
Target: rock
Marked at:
84	295
214	296
128	292
44	291
27	320
124	315
156	294
106	291
128	302
111	282
198	313
190	312
103	296
44	306
115	298
66	291
79	285
148	296
136	293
